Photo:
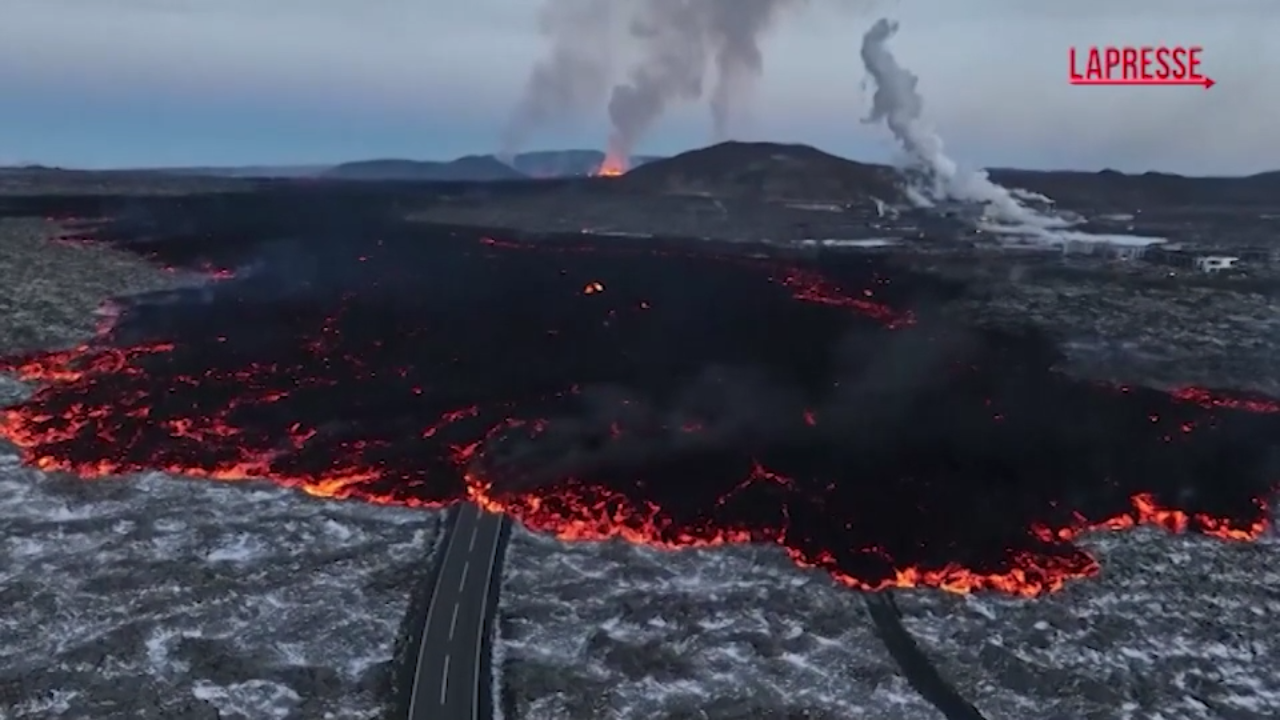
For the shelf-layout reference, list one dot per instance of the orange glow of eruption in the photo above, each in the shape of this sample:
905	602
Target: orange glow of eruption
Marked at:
592	288
580	512
612	166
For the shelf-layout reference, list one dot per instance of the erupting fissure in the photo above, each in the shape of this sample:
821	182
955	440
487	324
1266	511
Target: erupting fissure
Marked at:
692	403
613	165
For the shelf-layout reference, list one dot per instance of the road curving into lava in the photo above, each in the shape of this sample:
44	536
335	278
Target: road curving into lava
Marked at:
453	673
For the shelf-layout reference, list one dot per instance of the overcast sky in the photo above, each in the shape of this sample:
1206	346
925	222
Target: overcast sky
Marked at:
96	83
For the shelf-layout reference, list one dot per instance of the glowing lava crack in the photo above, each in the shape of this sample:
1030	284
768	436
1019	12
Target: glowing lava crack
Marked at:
658	394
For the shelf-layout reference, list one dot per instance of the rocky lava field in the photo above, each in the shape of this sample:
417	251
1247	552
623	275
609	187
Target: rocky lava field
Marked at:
662	392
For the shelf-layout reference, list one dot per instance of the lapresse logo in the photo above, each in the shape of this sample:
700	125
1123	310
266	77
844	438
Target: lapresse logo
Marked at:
1137	65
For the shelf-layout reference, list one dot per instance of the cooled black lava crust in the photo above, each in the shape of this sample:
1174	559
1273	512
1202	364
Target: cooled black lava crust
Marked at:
670	391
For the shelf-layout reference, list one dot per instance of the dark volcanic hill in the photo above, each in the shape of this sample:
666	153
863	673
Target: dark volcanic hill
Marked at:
476	168
771	171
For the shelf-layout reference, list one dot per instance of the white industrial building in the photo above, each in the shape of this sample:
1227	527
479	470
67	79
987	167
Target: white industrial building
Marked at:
1216	263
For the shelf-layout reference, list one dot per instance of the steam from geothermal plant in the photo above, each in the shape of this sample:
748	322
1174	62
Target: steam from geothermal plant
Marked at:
899	105
673	44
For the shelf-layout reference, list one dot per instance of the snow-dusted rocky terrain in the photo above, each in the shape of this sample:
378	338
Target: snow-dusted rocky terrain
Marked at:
156	597
1175	628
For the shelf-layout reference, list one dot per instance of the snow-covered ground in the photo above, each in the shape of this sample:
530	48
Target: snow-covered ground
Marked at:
1175	628
156	597
617	631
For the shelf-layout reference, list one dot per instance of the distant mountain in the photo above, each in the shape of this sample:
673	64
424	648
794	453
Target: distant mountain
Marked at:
766	171
1081	188
472	168
248	171
567	163
537	164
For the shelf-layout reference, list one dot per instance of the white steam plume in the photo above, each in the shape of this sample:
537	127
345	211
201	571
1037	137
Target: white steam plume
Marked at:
898	104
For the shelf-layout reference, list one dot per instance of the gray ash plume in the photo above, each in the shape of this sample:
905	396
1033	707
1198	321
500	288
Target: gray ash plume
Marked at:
736	29
674	43
575	75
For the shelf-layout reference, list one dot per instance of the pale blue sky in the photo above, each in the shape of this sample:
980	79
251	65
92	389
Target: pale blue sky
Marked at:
97	83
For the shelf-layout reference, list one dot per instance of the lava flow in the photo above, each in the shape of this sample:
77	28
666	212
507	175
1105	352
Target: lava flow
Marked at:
647	390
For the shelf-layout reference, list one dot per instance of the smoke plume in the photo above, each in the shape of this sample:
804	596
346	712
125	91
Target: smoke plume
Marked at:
673	43
678	39
898	104
670	67
736	29
574	78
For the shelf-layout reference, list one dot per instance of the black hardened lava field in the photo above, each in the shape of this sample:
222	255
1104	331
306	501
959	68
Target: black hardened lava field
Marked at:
662	391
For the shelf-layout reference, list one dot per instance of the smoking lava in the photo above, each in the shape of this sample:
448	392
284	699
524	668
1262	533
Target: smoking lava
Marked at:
665	393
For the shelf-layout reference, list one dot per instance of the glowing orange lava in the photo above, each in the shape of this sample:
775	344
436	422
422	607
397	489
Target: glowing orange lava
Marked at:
577	512
613	165
570	511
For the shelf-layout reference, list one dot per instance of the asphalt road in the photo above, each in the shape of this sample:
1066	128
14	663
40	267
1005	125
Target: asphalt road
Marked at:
452	681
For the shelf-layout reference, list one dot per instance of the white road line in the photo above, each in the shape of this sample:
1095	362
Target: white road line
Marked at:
431	608
462	584
444	680
453	624
484	607
475	530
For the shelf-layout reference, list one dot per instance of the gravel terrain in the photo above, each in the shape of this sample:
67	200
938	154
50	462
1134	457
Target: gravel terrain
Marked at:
159	597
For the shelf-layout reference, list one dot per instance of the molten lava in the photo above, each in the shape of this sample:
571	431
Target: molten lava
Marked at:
613	165
708	397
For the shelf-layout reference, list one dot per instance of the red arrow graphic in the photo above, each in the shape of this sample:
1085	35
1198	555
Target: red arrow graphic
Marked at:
1205	82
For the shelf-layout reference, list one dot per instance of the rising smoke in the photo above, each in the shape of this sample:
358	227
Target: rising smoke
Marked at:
898	104
674	42
736	29
678	40
575	76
